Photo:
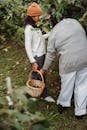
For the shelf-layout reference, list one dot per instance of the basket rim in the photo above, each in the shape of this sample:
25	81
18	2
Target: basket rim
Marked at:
38	73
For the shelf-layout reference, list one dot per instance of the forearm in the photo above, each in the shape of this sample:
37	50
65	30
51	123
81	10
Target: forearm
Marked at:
29	54
28	44
48	60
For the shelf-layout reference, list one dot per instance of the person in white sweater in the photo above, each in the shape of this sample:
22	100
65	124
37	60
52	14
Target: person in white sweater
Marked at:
68	40
35	43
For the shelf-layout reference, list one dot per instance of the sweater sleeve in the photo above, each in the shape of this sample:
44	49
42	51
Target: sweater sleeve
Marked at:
51	52
28	43
45	36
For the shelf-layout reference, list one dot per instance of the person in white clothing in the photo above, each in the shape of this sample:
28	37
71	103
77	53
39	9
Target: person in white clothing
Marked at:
68	40
35	43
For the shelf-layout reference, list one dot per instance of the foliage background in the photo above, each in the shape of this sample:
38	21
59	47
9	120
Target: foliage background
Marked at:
13	13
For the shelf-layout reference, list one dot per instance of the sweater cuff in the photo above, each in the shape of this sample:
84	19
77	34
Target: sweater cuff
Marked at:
45	68
32	61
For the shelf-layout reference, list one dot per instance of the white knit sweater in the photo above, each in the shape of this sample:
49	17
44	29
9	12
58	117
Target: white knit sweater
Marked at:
68	40
34	42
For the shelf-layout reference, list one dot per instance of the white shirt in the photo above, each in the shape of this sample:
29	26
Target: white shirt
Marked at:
34	42
69	41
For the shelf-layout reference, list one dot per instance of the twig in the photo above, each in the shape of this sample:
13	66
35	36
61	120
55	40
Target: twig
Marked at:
9	86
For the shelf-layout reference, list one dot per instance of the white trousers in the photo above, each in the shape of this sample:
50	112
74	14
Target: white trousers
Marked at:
74	82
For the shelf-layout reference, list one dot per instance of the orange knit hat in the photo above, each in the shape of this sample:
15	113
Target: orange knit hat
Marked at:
34	10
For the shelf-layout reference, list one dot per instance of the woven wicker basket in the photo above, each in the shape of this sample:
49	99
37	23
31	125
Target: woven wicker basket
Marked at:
35	87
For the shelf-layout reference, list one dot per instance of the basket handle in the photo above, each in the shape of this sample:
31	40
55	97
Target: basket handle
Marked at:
38	73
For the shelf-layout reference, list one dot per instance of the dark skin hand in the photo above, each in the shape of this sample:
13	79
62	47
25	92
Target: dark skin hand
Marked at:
34	66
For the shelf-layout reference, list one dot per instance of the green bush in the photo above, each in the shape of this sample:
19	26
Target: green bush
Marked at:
12	15
12	19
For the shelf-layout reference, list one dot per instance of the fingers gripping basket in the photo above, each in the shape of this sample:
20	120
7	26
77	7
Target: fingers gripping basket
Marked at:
39	85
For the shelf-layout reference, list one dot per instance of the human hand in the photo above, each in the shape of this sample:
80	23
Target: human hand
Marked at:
34	66
42	71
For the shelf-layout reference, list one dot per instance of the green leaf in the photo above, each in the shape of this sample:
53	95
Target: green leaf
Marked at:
38	117
21	117
17	125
